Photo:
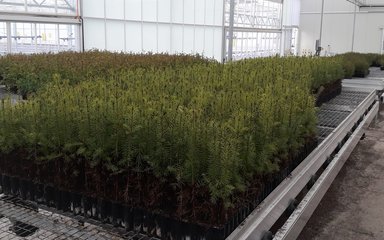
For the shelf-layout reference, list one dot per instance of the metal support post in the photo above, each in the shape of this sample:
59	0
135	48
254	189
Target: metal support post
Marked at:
354	28
230	29
321	23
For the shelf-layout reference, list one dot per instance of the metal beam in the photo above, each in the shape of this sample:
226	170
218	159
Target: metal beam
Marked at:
251	29
37	19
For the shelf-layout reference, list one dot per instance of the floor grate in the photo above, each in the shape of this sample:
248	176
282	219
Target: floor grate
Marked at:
22	220
334	112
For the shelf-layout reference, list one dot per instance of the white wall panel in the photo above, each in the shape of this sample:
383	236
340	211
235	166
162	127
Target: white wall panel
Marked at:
115	9
218	12
149	37
177	11
199	40
174	26
218	35
329	5
93	8
115	36
189	11
94	34
150	10
210	12
132	9
164	40
177	39
189	37
133	37
338	5
291	15
164	10
200	11
368	33
338	27
311	5
209	42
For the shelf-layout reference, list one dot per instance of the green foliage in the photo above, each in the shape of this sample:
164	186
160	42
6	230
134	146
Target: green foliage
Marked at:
215	124
28	73
325	70
357	64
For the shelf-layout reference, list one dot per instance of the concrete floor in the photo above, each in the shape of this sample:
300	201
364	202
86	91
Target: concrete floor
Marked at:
353	207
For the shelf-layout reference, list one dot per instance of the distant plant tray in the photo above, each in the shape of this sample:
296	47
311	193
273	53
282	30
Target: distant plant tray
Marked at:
361	74
328	92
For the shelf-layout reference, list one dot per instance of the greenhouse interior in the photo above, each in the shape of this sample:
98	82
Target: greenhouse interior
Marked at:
192	119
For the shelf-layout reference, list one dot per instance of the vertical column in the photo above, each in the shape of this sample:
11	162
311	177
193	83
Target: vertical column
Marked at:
282	36
9	37
224	34
58	37
125	28
354	28
142	25
35	35
321	24
382	41
230	29
105	26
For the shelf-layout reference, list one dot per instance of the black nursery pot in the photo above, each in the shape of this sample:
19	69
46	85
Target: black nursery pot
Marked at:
49	196
31	191
105	211
128	218
76	203
65	201
14	186
117	214
24	189
6	181
149	226
39	193
90	207
1	183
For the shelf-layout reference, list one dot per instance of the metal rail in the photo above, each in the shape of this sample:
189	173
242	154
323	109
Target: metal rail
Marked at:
296	222
271	209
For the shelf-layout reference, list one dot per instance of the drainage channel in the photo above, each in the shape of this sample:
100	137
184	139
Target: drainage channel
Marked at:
284	213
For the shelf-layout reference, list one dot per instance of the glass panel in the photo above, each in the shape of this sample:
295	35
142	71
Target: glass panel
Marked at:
39	37
66	7
3	38
68	38
23	38
255	14
255	44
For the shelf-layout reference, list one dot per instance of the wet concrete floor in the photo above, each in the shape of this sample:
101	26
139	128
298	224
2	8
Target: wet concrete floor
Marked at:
353	207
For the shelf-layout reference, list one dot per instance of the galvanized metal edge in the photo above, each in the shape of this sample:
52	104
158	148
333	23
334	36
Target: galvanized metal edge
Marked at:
270	210
296	222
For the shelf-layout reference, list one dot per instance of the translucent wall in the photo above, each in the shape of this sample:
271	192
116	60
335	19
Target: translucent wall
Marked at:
172	26
340	34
